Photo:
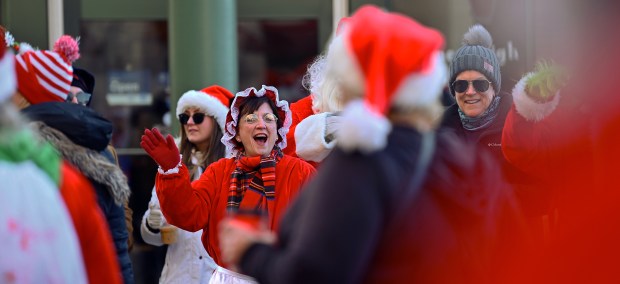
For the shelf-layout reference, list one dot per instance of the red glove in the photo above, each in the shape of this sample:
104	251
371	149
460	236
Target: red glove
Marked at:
163	151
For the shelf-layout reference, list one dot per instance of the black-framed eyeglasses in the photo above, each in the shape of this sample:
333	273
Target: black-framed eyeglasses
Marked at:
252	118
82	98
198	118
480	85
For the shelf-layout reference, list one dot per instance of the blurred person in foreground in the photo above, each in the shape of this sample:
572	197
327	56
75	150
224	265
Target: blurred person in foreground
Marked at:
202	115
77	194
38	240
78	133
257	177
394	203
564	128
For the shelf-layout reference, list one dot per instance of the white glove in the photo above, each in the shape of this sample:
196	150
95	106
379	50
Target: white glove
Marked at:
155	219
332	124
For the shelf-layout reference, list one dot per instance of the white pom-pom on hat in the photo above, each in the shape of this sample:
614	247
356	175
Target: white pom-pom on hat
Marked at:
362	128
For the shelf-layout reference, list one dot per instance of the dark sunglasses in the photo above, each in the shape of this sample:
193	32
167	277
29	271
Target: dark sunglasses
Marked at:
82	98
198	118
461	86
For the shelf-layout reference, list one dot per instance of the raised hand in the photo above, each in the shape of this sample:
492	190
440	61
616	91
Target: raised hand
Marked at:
545	82
163	151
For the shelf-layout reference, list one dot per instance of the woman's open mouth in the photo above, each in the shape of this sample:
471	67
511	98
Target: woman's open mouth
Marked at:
261	139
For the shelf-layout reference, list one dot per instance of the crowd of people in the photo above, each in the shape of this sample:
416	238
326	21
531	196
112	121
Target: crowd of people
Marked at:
367	179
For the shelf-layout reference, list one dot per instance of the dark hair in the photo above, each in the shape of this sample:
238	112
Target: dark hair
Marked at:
250	105
212	154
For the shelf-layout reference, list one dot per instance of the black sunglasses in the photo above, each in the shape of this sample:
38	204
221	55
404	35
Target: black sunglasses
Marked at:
198	118
461	86
82	98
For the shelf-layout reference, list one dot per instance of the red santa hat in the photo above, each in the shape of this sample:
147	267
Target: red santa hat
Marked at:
393	61
7	71
213	100
232	119
44	75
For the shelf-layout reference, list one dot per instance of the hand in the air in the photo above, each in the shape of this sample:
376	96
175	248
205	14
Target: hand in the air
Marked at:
545	82
163	151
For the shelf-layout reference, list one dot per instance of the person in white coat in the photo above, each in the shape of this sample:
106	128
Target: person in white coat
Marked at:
38	241
202	115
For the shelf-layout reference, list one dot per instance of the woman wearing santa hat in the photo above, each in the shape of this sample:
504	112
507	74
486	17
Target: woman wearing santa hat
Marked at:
385	207
202	115
257	177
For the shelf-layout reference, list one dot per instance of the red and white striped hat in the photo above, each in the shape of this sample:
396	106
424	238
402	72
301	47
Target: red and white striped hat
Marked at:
44	75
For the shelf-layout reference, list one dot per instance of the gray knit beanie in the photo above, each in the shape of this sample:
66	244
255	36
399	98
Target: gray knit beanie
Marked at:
476	54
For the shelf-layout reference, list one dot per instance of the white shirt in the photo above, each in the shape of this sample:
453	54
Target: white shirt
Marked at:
187	261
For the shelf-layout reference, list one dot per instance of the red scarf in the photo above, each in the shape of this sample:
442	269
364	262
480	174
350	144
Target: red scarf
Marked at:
253	183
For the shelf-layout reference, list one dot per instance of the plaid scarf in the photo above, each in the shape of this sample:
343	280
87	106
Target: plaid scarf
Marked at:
252	183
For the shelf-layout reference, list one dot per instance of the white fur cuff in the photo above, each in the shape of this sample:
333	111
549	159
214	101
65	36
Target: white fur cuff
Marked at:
310	138
529	108
174	170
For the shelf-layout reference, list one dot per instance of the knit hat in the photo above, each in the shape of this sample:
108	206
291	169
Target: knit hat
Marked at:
44	75
232	119
477	54
83	80
213	100
7	70
391	59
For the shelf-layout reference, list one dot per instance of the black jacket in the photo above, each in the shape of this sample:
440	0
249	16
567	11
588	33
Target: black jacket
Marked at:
533	201
339	230
81	136
489	138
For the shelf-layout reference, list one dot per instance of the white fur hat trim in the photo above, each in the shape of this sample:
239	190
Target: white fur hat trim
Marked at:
205	102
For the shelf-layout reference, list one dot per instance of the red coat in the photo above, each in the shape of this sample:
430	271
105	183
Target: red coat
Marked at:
91	227
300	110
202	204
557	142
550	142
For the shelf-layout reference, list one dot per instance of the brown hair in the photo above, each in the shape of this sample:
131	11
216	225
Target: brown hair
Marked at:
214	152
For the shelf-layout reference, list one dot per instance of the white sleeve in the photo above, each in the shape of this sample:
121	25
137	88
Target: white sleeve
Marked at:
148	236
310	138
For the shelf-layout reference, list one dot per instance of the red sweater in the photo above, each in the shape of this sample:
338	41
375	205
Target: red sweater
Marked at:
91	227
202	204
